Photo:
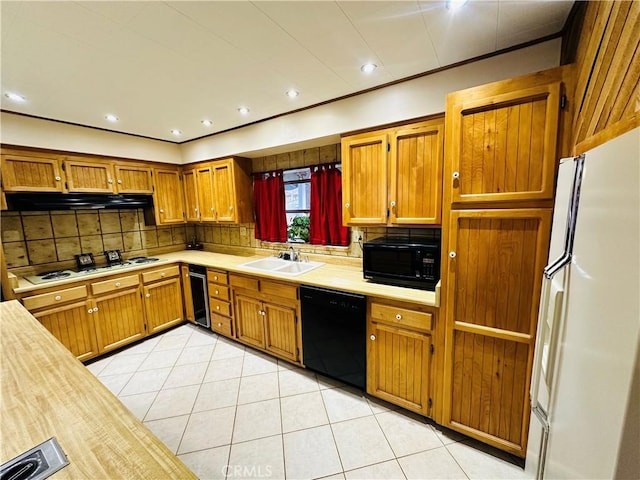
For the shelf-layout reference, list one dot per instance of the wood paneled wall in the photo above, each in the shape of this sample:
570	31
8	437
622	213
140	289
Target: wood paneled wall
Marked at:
607	57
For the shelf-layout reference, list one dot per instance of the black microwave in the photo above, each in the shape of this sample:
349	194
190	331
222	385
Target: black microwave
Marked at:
402	261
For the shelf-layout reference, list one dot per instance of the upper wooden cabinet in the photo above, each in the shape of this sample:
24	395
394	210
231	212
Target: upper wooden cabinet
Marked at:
219	191
31	172
394	176
84	176
132	178
502	140
191	206
167	196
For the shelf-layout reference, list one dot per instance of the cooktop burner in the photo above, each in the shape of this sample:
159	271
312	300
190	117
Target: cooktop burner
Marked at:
54	274
143	259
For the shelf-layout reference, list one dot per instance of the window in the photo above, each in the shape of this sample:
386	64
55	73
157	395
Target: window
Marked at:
297	193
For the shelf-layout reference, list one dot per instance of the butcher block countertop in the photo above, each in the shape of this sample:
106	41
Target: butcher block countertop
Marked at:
346	278
47	393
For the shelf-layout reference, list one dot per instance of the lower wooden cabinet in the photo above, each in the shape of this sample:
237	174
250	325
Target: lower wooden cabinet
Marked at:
118	319
73	326
266	315
163	304
399	355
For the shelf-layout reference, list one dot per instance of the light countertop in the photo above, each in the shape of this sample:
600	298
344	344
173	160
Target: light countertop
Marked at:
335	276
46	392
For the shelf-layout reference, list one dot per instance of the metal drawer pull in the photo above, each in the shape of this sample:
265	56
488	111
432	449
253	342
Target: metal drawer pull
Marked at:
119	181
215	277
148	295
162	274
109	181
398	316
58	178
455	175
219	324
372	337
57	297
452	254
217	307
118	284
217	292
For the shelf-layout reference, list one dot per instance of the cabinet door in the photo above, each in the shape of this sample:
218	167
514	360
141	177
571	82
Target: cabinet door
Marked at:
133	178
73	326
88	177
118	319
22	173
224	200
186	291
163	305
191	206
415	170
501	140
398	366
494	273
364	180
168	197
206	194
249	321
281	331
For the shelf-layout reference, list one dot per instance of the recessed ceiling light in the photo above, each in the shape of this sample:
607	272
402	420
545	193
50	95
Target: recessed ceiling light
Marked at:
292	93
176	132
368	67
243	110
111	117
454	5
207	123
16	97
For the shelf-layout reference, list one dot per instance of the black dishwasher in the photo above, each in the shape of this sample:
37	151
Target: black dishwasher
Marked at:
334	332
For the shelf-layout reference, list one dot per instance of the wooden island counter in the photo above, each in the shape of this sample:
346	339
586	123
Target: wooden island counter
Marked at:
47	393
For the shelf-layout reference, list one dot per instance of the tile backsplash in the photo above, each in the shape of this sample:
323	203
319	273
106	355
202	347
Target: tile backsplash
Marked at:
37	238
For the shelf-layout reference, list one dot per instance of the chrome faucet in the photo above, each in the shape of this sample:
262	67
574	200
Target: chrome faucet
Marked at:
293	255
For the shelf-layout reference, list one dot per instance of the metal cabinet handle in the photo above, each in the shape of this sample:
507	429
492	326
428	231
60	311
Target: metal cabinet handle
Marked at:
95	309
372	337
57	297
161	211
215	277
57	177
148	295
217	307
90	310
217	292
452	254
195	208
212	209
119	182
398	316
219	324
348	205
110	181
162	274
118	284
455	175
230	207
393	204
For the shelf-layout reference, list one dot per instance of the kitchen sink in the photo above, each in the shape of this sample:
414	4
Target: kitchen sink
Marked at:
280	266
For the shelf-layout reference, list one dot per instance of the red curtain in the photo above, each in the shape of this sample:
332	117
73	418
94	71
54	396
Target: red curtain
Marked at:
325	222
268	198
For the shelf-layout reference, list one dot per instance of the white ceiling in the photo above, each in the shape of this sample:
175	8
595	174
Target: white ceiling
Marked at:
168	65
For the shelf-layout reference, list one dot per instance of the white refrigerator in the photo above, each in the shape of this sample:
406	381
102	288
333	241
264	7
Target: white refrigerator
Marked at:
585	389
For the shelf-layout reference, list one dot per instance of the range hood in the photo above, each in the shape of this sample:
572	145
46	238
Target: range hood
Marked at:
75	201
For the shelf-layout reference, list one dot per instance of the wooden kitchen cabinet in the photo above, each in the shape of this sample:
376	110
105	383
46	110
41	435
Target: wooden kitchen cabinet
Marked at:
220	302
132	178
266	315
191	206
219	191
394	176
85	176
163	305
167	196
502	140
25	171
494	267
117	308
73	326
399	355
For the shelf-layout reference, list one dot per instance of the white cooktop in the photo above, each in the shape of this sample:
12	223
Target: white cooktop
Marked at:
51	276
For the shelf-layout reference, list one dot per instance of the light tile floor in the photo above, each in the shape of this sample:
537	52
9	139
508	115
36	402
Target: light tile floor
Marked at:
232	412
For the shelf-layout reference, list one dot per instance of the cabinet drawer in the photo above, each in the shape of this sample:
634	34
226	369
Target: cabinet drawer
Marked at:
220	307
219	291
217	276
401	316
54	298
279	289
161	273
221	324
244	282
114	284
